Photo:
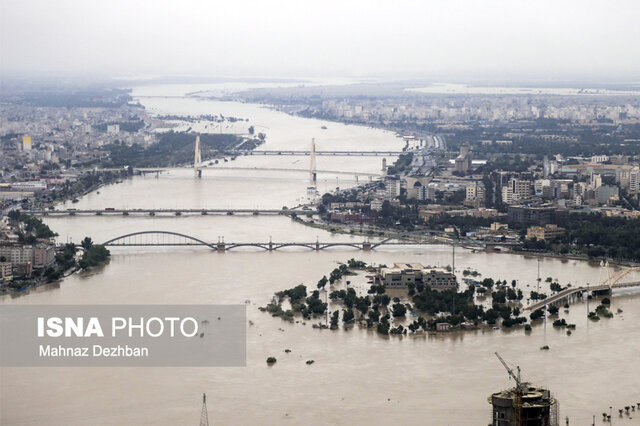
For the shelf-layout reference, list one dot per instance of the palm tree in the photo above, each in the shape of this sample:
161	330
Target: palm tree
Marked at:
87	243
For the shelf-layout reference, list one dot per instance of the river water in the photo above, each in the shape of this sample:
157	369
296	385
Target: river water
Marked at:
358	377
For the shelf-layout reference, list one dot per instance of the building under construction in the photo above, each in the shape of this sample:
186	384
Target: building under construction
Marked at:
523	405
537	407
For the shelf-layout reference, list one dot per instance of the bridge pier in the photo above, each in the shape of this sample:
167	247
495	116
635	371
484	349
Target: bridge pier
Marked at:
366	246
221	247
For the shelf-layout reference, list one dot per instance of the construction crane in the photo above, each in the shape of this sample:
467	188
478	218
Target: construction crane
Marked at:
518	390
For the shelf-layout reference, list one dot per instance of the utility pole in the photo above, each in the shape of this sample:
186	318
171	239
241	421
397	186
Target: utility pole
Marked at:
326	301
587	300
538	275
453	259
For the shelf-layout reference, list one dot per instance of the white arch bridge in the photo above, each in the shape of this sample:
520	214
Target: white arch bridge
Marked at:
612	282
176	239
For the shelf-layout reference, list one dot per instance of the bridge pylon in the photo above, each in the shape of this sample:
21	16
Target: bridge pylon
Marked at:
220	245
197	160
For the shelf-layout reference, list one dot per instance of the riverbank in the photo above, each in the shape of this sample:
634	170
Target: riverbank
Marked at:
342	229
33	234
85	183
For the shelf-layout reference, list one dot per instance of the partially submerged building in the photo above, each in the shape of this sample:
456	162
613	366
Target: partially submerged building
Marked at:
403	274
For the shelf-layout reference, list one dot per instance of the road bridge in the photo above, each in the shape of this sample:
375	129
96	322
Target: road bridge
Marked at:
326	153
282	169
569	294
157	170
165	212
176	239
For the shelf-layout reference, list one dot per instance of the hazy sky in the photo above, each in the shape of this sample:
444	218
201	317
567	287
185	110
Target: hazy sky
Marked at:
511	39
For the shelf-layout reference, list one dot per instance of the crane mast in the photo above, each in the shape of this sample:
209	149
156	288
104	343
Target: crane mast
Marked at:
519	390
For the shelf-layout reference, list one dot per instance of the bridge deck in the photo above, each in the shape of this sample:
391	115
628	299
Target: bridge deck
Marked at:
568	292
112	212
266	245
331	153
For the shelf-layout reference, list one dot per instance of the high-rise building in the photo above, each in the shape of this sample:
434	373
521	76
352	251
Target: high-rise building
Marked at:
516	190
475	194
463	161
26	143
546	167
393	187
634	180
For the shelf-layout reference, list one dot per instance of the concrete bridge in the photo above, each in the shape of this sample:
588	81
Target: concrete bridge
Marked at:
282	169
165	212
329	153
176	239
569	294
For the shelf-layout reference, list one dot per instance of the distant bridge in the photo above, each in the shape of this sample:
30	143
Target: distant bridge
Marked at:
156	170
329	153
282	169
570	293
165	212
176	239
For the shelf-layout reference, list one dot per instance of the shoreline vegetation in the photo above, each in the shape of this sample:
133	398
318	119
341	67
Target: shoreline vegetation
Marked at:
416	308
66	262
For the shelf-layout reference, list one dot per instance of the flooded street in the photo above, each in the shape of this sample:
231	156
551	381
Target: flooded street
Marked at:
358	375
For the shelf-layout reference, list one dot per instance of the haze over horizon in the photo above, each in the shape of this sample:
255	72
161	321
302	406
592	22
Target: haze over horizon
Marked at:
494	40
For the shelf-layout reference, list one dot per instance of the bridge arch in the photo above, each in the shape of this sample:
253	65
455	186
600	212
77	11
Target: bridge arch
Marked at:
329	245
386	240
235	245
176	234
283	245
611	282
